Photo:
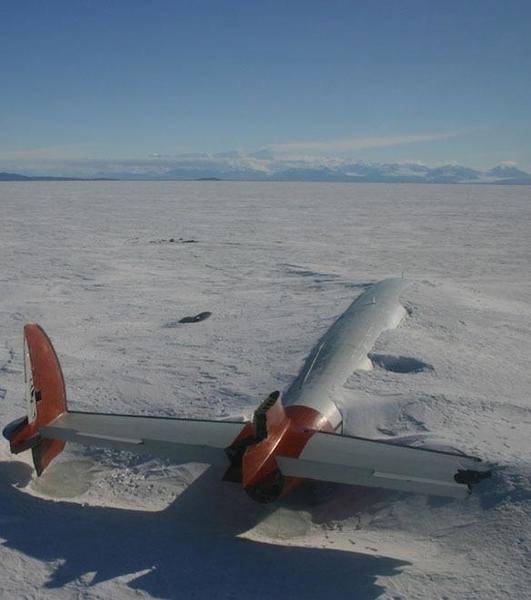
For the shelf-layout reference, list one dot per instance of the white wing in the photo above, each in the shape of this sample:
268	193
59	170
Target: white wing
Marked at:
359	461
184	440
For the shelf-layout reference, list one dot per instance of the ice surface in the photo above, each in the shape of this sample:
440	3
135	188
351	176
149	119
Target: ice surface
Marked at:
274	264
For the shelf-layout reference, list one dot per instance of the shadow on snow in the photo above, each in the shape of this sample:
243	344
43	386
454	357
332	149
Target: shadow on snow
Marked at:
190	549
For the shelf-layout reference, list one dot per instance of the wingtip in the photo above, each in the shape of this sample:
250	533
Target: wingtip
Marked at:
471	477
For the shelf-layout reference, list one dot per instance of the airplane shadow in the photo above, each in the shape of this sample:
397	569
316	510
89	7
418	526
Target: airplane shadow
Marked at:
190	549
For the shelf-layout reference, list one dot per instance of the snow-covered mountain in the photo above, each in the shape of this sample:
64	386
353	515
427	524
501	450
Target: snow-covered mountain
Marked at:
508	170
265	165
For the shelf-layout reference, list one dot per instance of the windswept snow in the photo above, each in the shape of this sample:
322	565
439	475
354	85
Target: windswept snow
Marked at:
274	264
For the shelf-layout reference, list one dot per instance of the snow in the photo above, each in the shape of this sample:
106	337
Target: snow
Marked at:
274	263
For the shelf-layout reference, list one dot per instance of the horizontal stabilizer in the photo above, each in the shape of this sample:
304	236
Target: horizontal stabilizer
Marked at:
359	461
182	440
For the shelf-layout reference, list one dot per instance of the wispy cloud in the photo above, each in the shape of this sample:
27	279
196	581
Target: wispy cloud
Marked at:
357	143
66	151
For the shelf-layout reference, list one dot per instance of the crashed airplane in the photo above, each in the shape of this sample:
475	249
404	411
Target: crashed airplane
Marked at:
292	437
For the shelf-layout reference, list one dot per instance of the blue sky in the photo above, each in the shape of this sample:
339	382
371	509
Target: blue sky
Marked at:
384	81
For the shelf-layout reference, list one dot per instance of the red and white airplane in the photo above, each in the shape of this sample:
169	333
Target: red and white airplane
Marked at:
291	438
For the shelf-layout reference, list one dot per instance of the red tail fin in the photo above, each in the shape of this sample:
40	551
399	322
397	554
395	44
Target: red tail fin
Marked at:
45	398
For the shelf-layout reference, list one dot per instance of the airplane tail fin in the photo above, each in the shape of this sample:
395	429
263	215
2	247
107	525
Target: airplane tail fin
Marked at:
45	399
360	461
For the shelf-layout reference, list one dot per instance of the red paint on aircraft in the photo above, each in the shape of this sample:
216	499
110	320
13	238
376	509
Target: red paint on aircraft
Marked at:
50	399
276	430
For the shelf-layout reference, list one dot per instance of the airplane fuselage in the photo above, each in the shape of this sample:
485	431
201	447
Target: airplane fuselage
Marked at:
283	425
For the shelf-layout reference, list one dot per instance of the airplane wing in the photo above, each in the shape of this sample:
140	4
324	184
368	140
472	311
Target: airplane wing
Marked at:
372	463
183	440
49	424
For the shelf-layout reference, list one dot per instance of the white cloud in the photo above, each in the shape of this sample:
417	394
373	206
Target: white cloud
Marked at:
356	143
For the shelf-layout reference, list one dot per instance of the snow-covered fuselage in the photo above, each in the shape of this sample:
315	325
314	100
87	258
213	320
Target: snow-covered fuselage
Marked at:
309	404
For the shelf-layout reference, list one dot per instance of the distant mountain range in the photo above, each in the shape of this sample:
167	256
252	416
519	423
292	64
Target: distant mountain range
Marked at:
18	177
264	166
